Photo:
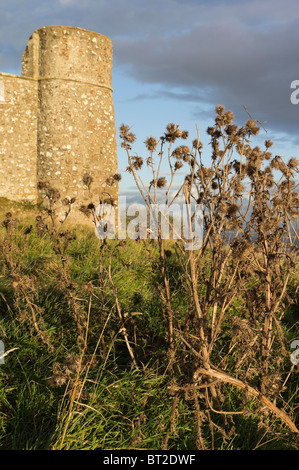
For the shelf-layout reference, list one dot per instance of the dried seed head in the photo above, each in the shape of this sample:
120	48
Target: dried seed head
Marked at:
234	139
124	129
267	155
277	163
268	143
53	194
219	110
197	144
65	201
131	137
73	362
10	222
161	183
216	135
43	185
172	132
252	128
126	136
87	180
117	177
232	224
231	129
269	180
237	186
278	202
254	160
41	228
28	230
236	166
231	210
242	330
151	144
59	376
85	210
109	200
177	153
293	163
242	133
228	117
137	163
110	181
172	128
286	186
57	380
178	165
185	149
240	248
223	208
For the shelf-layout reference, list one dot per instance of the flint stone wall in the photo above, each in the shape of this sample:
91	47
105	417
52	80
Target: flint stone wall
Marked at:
57	119
18	137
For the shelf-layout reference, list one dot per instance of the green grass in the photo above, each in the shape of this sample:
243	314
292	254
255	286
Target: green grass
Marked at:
119	407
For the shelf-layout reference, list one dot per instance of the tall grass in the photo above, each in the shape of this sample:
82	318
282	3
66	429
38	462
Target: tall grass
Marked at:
140	344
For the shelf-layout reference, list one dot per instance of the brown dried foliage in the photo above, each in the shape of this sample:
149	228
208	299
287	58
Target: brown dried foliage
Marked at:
238	278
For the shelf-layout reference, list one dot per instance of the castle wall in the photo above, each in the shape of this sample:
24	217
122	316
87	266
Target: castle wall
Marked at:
57	121
76	129
71	146
18	134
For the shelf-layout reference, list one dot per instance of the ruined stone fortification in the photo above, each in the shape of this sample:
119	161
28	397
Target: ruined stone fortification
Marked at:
57	119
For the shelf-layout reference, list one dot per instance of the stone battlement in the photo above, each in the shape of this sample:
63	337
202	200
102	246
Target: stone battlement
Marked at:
57	119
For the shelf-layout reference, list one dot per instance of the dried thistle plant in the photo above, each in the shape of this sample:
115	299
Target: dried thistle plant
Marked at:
248	233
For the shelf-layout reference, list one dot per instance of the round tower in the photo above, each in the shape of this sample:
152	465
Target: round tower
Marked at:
76	139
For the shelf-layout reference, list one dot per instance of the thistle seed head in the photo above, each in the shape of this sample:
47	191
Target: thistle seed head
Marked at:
151	144
161	183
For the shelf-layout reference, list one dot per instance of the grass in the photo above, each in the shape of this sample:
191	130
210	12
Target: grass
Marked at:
142	344
48	401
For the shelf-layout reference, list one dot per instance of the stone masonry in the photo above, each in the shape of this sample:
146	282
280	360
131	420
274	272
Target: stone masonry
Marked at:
57	119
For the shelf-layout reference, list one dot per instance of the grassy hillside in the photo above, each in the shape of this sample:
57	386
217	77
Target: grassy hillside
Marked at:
144	344
88	362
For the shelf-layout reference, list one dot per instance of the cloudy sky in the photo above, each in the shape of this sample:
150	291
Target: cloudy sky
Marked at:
175	60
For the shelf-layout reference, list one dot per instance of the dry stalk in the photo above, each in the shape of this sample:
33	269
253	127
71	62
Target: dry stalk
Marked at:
123	329
243	255
264	400
200	444
164	444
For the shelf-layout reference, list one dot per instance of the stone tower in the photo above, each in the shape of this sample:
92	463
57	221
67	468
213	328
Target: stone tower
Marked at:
57	119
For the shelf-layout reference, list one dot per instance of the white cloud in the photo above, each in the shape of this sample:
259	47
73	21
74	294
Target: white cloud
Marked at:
240	52
74	3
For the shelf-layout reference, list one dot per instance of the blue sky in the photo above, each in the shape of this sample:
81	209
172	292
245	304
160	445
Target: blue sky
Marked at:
175	60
